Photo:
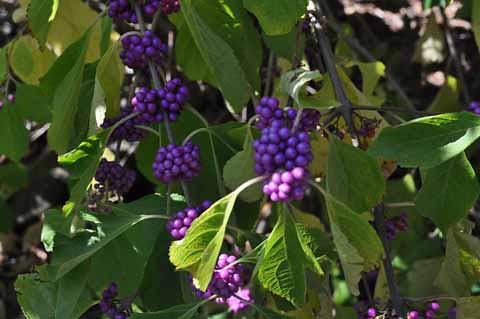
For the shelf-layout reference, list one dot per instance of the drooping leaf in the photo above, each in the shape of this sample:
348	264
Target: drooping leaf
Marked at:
27	61
357	243
277	16
65	103
219	57
199	250
315	246
82	163
40	14
14	141
454	186
110	74
282	270
354	176
428	141
294	81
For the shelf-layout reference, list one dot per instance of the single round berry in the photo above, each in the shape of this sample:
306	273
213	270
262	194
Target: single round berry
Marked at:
174	162
181	222
138	49
11	98
413	315
113	177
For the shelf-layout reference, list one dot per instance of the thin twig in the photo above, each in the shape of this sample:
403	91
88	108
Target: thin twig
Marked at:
158	85
456	59
379	219
356	45
399	205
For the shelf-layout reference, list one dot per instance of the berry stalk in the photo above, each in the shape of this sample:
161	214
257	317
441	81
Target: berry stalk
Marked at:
158	85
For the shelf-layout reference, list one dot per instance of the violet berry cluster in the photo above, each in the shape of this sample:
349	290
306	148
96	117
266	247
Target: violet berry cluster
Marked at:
123	10
227	280
127	130
474	108
178	225
396	225
109	306
10	98
138	49
282	153
429	313
112	177
366	311
153	105
177	162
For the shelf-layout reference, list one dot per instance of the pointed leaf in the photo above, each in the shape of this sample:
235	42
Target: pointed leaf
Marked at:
40	14
428	141
14	135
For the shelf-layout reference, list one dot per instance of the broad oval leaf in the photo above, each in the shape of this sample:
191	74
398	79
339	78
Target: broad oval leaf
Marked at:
354	176
429	141
277	16
448	191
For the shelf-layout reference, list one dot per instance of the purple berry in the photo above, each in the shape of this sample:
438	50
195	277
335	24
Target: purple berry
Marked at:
413	315
114	178
127	130
170	6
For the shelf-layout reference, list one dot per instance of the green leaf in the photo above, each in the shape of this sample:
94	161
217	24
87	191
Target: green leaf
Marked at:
31	103
106	27
65	299
454	186
40	14
294	81
428	141
421	276
82	163
199	250
354	176
14	141
179	312
3	63
54	223
476	21
452	277
13	177
277	16
110	74
219	56
357	243
239	169
447	98
66	103
27	61
468	307
282	270
312	241
285	45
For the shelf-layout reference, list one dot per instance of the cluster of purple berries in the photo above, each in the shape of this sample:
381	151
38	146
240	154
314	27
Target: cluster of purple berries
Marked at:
474	107
281	149
109	306
282	153
138	49
10	98
153	105
127	130
271	115
366	311
236	304
286	185
113	177
181	222
174	162
226	281
396	225
123	10
429	313
170	6
368	128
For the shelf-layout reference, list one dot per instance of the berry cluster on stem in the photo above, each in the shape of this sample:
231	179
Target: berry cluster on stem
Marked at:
111	307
